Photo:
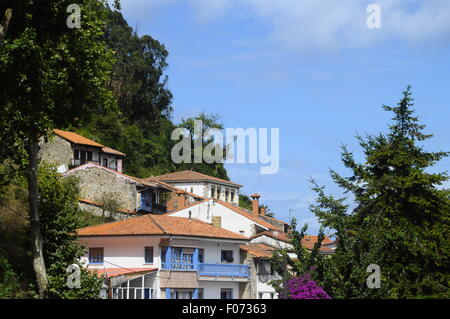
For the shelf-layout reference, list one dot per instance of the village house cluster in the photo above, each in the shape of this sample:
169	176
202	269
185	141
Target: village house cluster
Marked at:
175	236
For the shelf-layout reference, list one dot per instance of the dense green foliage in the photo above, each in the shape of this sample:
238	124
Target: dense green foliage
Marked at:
50	75
60	218
305	262
140	125
400	220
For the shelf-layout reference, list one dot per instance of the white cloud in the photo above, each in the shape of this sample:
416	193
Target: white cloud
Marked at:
322	25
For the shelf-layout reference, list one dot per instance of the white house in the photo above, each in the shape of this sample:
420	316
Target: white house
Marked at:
68	150
203	185
159	256
225	215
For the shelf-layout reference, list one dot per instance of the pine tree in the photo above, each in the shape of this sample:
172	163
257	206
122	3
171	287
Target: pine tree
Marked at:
401	219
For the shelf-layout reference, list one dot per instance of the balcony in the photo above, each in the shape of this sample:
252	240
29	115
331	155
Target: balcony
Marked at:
211	270
224	270
153	208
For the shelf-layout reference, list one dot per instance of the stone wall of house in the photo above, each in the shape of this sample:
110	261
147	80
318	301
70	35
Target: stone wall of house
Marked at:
98	211
278	224
247	290
98	185
56	151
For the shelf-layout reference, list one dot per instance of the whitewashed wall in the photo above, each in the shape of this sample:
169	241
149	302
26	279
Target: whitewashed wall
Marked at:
230	220
212	289
271	242
125	252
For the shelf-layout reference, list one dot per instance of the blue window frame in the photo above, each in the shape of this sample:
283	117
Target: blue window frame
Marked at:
182	258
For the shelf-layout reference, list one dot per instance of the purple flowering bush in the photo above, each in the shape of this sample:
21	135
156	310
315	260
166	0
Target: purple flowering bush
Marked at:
305	288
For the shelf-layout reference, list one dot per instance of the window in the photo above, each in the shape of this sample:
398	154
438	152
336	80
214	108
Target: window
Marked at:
182	258
89	155
182	294
105	162
96	255
227	256
212	191
149	255
226	194
218	192
260	295
201	256
232	196
226	293
272	295
76	154
264	268
242	232
83	156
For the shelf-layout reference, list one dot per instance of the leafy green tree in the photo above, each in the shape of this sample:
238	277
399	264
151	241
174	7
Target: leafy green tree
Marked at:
50	76
312	263
209	122
9	279
245	201
401	218
61	217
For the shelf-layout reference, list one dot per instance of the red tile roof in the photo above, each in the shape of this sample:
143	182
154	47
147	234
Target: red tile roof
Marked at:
245	213
188	175
258	250
232	207
307	242
159	225
77	139
110	150
279	236
114	272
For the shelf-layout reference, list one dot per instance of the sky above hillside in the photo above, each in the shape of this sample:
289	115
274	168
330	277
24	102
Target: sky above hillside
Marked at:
311	68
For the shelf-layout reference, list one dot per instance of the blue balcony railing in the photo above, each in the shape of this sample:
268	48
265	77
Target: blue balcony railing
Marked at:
217	270
224	270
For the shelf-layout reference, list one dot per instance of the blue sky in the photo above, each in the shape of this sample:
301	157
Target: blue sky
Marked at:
311	68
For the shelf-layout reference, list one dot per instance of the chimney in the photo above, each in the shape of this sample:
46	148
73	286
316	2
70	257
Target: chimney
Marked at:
255	204
263	210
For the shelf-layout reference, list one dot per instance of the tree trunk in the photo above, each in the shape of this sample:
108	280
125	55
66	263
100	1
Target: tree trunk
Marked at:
37	242
5	23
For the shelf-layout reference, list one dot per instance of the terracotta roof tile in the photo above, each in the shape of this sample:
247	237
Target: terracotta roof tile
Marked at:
110	150
188	175
307	242
245	213
77	139
159	225
114	272
258	250
232	207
